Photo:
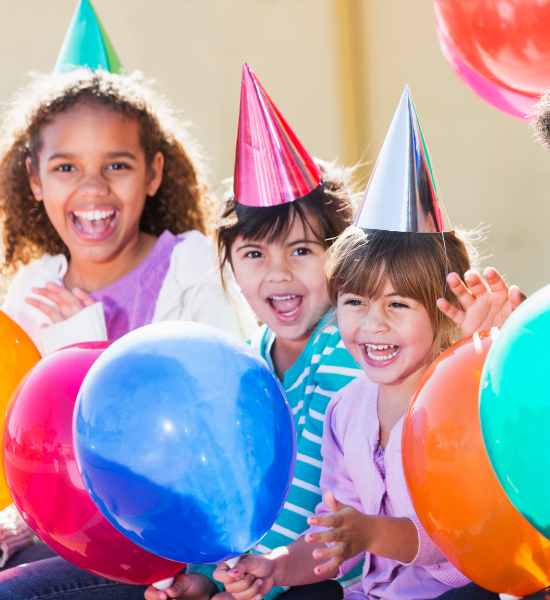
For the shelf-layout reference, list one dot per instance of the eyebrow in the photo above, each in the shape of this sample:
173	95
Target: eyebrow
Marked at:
248	245
115	154
304	241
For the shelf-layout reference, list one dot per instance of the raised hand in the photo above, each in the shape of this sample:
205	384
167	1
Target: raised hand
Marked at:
485	300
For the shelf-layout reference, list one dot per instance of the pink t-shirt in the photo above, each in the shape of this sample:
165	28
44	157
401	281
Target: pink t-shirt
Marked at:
372	481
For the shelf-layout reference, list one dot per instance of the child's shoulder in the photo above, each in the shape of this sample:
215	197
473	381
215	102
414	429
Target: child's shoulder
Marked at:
353	402
193	257
37	273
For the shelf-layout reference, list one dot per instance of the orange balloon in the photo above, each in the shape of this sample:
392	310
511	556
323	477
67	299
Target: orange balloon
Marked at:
455	492
17	357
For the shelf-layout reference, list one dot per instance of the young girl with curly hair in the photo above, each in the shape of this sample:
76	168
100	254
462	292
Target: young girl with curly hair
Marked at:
104	216
103	213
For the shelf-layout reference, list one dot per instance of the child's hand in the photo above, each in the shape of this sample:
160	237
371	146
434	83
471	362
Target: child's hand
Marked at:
348	535
486	300
192	586
242	585
62	302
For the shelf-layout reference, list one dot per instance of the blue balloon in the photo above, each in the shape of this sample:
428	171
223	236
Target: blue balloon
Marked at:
515	409
185	441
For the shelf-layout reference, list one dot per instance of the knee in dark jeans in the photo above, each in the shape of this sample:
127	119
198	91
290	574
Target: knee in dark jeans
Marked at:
325	590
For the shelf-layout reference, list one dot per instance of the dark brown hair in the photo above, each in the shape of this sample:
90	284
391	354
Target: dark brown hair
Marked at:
415	264
541	120
181	202
326	212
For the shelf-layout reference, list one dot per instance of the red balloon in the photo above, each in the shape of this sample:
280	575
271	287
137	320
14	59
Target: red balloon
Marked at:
505	41
508	101
44	480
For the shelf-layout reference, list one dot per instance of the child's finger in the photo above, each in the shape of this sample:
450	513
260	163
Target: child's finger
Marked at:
222	574
516	296
324	554
496	282
240	585
255	565
452	312
66	299
66	302
85	298
333	519
250	593
50	311
153	594
322	537
328	568
460	290
475	283
330	501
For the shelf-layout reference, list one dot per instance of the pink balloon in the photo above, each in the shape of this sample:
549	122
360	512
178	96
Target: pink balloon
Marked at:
508	101
44	480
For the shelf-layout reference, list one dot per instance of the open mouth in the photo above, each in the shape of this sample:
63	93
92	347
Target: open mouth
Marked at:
380	354
286	306
94	224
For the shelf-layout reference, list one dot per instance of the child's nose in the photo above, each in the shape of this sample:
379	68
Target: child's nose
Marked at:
279	271
374	322
94	185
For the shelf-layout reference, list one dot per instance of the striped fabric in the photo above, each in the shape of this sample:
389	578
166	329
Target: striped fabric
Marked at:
323	368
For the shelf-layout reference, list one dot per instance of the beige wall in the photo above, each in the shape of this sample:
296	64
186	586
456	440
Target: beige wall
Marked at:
317	57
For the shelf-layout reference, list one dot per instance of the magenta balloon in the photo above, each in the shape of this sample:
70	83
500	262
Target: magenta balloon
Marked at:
504	99
44	480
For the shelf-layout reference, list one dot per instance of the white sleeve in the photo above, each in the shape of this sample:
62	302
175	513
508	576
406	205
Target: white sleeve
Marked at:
86	326
193	291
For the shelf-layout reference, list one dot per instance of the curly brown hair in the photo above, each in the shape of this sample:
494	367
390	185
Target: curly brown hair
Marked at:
181	202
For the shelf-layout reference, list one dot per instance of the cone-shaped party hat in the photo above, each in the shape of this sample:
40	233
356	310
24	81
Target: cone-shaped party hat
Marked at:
86	44
271	165
401	194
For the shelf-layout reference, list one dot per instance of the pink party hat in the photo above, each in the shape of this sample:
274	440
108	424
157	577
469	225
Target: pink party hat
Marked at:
271	165
401	194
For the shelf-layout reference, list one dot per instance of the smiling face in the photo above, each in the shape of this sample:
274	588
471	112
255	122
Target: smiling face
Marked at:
93	179
390	336
284	280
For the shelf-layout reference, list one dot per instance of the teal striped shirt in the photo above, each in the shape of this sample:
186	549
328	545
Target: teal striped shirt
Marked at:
321	370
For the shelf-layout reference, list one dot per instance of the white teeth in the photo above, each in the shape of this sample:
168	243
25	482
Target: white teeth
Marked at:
94	215
373	351
282	297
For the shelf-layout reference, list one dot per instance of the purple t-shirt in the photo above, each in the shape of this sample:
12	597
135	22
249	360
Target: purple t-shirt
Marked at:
130	302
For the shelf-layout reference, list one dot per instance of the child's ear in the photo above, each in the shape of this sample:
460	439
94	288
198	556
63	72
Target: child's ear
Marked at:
34	180
155	174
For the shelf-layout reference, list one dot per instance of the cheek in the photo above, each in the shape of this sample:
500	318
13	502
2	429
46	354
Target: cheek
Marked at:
246	280
346	326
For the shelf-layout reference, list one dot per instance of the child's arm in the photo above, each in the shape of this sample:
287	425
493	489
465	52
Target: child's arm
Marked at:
485	300
350	532
256	574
